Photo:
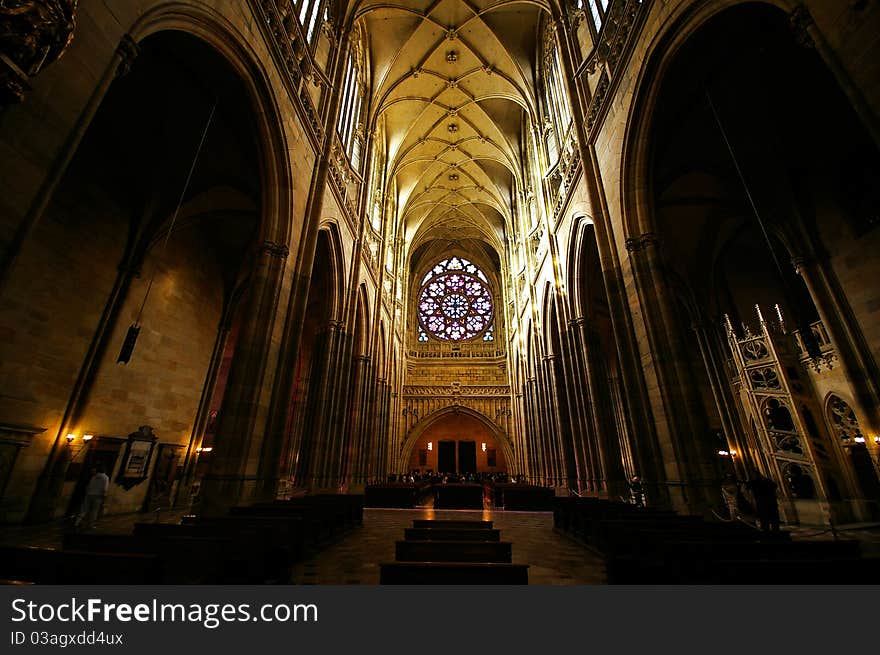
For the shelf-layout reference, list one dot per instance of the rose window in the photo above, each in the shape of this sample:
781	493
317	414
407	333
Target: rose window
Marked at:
454	301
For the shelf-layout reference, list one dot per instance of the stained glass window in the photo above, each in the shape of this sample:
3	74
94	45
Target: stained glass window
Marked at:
454	302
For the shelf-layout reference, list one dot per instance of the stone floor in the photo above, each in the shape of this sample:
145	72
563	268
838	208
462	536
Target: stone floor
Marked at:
553	558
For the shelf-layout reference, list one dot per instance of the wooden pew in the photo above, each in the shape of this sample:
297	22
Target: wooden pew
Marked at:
458	573
832	571
452	534
698	562
576	516
451	523
70	567
344	511
524	497
458	496
318	527
611	533
258	549
454	551
185	560
393	494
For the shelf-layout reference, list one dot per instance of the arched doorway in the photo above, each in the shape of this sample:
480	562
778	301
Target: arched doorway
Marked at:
155	224
735	194
452	441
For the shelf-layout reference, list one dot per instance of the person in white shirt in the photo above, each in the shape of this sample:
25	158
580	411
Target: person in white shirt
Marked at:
95	493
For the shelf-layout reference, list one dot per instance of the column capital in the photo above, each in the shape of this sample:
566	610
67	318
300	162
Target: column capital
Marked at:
274	249
127	49
800	22
643	242
799	262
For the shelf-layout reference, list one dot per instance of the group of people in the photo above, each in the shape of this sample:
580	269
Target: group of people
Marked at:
452	478
765	505
763	492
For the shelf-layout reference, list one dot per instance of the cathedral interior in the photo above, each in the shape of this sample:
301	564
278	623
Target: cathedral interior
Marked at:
605	262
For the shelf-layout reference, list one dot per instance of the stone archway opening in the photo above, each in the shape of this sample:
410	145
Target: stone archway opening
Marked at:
457	444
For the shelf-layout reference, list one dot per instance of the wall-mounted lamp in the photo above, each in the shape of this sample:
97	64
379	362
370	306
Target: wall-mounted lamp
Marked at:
723	453
430	445
859	440
71	438
204	449
484	446
877	440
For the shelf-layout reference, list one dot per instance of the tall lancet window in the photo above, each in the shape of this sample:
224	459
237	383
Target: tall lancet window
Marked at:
308	12
557	109
455	303
348	125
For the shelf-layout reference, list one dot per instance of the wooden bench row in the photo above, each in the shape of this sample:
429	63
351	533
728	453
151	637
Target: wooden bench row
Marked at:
71	567
396	494
650	547
252	545
523	497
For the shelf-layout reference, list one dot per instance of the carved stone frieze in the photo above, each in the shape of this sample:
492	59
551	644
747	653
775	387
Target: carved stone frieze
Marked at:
417	391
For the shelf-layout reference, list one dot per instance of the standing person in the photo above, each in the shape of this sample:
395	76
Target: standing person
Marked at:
730	491
764	492
95	494
637	491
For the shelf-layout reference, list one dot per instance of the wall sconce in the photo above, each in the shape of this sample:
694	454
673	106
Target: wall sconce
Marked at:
859	440
430	445
71	437
206	449
484	446
723	453
877	440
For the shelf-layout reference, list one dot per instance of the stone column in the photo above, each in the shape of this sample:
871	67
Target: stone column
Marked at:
320	419
719	381
607	449
191	455
579	409
861	370
534	462
237	458
635	386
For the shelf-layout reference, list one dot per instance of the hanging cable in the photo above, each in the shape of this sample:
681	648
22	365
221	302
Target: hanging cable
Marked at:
135	328
804	327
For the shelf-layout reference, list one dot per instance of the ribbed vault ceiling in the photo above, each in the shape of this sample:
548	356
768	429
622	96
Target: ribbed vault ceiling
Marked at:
451	82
